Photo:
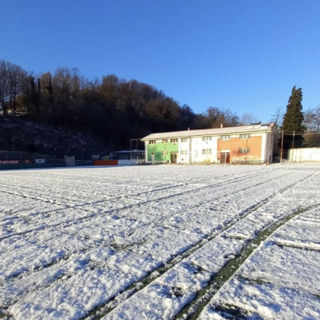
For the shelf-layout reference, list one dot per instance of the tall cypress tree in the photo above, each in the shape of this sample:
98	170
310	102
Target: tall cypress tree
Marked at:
293	118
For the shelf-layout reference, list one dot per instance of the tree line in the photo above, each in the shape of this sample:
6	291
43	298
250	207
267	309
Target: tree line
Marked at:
117	110
111	108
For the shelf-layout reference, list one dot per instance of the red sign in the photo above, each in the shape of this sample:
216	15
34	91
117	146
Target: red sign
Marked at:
27	161
9	161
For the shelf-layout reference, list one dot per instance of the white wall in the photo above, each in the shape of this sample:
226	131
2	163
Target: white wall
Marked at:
304	154
266	147
198	145
183	146
146	151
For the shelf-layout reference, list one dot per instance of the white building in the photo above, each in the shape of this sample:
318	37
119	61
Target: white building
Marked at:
253	143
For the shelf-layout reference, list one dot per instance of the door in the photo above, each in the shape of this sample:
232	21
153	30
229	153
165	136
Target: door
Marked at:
225	157
174	157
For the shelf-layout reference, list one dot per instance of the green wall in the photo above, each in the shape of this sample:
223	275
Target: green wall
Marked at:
159	147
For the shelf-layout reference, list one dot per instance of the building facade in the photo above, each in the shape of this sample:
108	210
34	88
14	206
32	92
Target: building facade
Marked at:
242	144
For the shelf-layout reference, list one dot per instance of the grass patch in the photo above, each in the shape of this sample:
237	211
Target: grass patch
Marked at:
5	316
316	295
296	246
231	312
257	281
123	246
234	237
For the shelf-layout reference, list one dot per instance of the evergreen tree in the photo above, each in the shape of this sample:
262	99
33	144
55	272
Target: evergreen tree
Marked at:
293	118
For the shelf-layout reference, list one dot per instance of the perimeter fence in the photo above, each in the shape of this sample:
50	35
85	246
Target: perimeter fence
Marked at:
289	142
21	160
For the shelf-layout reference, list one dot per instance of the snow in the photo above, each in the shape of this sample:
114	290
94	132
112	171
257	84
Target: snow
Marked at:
141	242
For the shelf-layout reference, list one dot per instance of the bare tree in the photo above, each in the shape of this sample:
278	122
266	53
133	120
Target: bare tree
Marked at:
317	117
218	117
3	87
309	120
248	118
312	119
15	79
277	117
11	78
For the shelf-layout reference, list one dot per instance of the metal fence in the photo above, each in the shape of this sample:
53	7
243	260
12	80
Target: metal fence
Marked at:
11	158
25	158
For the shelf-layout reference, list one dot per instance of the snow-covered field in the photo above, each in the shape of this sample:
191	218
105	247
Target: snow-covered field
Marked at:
161	242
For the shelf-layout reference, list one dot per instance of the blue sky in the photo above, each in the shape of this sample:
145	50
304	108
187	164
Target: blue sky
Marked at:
245	55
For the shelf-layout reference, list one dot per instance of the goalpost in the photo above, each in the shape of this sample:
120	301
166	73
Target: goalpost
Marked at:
70	161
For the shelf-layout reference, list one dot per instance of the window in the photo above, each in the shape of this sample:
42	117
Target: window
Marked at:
184	152
152	142
164	140
184	140
224	137
206	151
244	136
174	140
206	138
165	152
244	150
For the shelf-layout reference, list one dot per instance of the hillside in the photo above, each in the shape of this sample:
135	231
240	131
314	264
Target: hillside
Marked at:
19	134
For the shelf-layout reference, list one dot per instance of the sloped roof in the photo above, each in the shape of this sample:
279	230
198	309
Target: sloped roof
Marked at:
205	132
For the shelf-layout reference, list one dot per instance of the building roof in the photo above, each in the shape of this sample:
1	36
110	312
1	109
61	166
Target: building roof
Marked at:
254	128
128	151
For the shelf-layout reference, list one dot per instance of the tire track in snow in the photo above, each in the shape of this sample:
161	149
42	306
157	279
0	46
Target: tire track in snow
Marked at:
17	191
107	307
193	309
95	214
85	191
178	258
107	243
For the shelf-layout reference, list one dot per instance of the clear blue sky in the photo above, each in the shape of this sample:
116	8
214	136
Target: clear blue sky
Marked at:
245	55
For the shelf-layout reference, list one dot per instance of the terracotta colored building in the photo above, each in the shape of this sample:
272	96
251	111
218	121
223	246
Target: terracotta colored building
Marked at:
242	144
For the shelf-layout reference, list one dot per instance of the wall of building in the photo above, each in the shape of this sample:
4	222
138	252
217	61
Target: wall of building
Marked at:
162	151
267	147
235	143
184	151
304	155
200	149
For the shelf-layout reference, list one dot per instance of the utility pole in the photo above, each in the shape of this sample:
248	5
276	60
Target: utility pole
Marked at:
281	150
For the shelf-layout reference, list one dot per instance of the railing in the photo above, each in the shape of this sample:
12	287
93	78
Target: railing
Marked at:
24	158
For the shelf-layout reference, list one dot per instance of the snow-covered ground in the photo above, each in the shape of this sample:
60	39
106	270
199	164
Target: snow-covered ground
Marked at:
161	242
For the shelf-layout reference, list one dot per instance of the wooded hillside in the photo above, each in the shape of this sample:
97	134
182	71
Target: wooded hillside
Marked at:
112	109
